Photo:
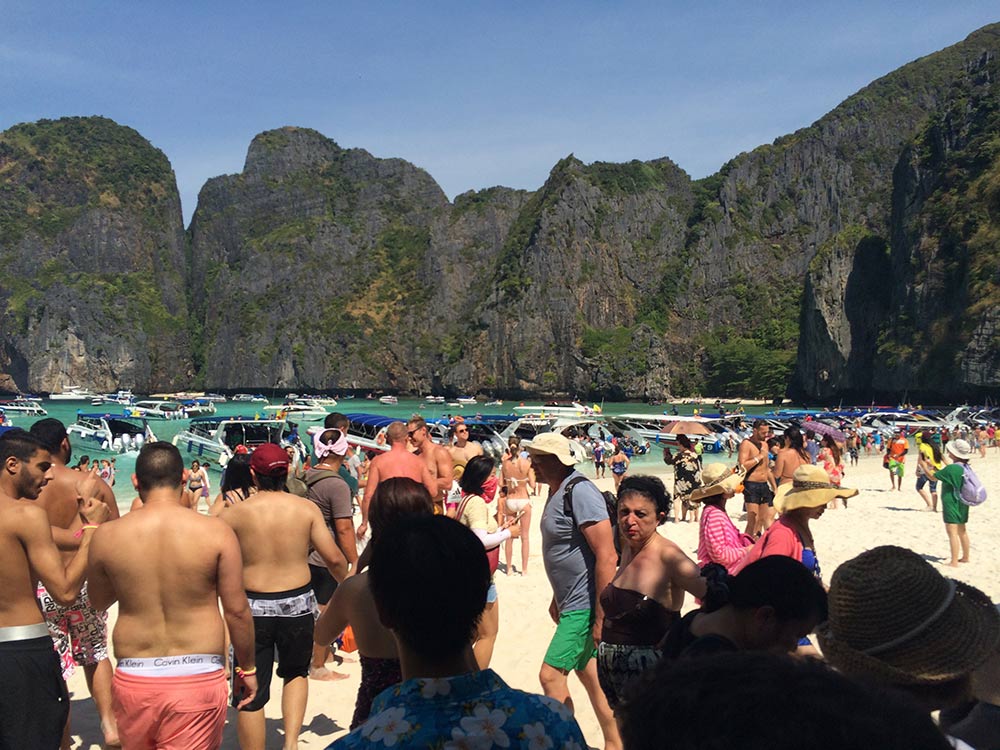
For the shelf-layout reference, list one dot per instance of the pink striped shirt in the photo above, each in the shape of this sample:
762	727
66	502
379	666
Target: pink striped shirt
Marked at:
719	541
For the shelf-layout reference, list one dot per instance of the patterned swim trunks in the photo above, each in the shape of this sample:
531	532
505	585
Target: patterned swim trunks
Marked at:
79	632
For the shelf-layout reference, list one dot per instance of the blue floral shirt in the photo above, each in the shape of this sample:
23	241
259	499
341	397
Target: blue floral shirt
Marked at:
474	711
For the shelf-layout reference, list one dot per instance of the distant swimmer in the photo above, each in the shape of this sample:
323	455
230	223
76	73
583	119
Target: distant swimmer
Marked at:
437	457
34	704
79	631
395	462
276	530
169	569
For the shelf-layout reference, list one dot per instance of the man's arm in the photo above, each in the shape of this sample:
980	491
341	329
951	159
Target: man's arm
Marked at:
322	542
601	540
100	588
347	543
370	489
235	607
428	480
744	458
445	467
63	583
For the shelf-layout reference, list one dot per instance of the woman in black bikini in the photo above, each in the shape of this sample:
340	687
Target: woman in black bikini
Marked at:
646	595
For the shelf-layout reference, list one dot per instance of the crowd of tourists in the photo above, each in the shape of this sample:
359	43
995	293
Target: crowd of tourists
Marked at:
394	556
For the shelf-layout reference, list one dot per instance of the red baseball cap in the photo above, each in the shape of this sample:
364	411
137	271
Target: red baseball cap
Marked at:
269	460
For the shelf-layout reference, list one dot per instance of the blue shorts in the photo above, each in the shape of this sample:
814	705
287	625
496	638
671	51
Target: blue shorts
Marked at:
491	593
922	480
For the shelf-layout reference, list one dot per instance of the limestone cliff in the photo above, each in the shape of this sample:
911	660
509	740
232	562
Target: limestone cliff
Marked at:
92	244
854	257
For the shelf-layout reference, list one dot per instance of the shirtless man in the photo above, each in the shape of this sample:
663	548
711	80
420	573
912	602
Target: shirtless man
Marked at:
462	449
34	703
759	485
395	462
437	457
168	569
79	631
275	530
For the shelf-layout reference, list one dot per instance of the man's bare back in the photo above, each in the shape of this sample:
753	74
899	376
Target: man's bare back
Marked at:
395	462
59	500
276	531
167	567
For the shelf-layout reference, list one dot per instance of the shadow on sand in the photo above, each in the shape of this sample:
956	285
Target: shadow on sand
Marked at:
86	728
321	726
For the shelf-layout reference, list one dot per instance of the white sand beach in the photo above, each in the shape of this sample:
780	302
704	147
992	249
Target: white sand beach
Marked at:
877	516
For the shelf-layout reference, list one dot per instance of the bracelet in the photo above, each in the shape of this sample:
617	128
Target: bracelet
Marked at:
246	672
79	532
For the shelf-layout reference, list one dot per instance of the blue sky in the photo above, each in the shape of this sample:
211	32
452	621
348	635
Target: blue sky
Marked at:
479	94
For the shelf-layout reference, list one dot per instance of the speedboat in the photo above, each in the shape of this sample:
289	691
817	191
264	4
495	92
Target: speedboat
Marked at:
216	438
305	409
155	410
564	408
388	400
434	399
73	393
215	398
23	406
322	400
466	400
246	398
123	397
110	432
198	407
651	427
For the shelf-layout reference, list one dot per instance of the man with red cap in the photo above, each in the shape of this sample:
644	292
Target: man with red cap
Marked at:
276	531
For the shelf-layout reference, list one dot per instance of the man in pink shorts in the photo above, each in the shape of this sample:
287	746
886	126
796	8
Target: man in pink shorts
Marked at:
168	568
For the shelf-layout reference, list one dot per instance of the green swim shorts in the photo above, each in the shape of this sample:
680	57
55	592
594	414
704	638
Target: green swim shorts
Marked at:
896	467
572	645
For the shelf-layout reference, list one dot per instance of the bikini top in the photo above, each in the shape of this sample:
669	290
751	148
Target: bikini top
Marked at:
633	619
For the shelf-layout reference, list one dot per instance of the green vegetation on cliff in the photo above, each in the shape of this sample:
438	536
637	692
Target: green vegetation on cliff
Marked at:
53	170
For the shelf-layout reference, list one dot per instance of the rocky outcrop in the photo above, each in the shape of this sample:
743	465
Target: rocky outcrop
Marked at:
92	242
854	257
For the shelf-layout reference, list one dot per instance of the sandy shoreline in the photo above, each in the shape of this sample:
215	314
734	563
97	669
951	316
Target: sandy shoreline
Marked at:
877	516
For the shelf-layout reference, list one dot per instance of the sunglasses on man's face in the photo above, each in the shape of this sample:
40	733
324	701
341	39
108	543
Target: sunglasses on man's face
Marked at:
411	433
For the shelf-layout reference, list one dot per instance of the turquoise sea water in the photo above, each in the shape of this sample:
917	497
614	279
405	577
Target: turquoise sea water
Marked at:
66	411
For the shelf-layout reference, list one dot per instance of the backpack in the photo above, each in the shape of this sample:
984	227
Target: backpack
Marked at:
972	492
610	503
299	484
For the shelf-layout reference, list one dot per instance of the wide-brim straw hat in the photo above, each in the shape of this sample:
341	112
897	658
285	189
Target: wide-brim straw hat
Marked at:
959	449
555	444
717	479
897	620
810	488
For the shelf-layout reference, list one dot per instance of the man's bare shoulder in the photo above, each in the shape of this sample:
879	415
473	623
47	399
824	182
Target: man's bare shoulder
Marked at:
19	514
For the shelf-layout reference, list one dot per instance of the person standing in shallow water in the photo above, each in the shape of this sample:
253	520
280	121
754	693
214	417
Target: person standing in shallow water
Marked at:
619	466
